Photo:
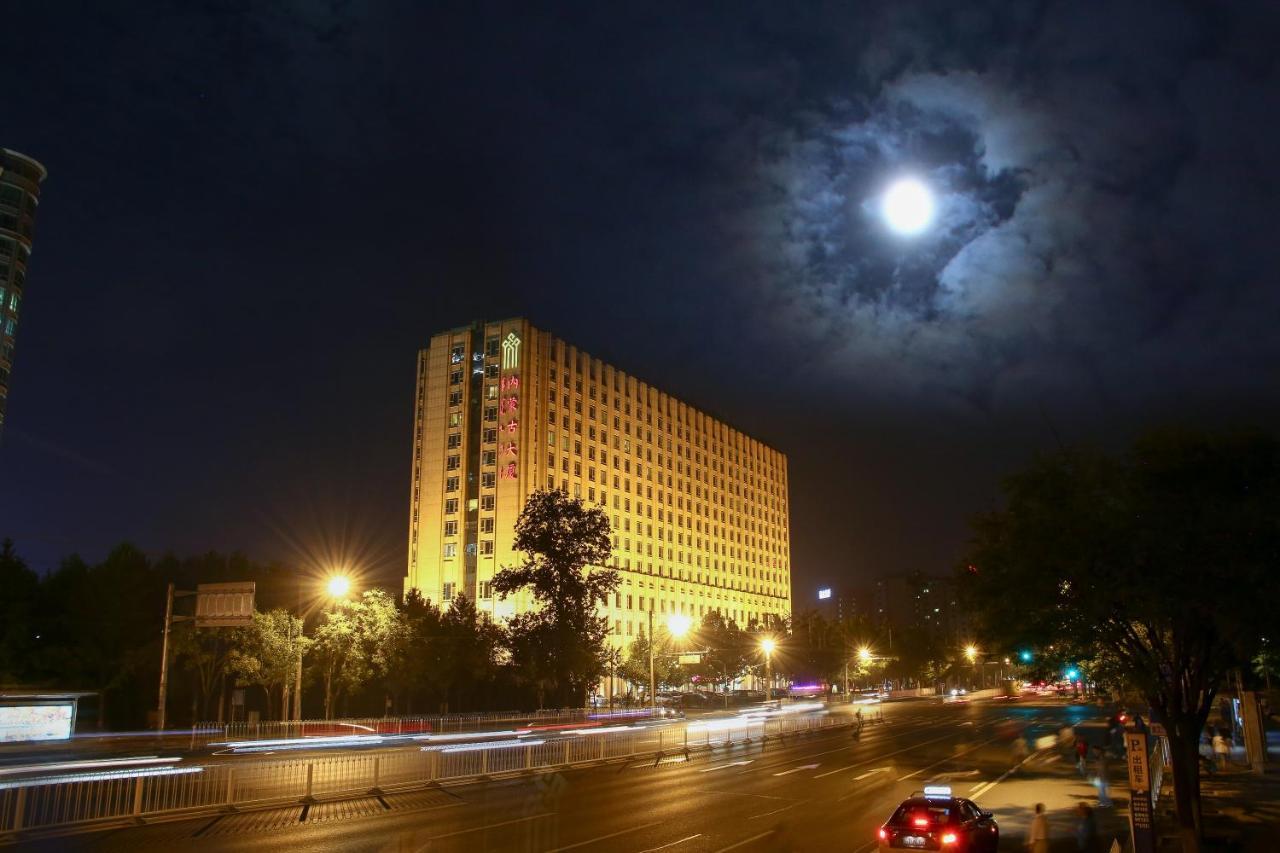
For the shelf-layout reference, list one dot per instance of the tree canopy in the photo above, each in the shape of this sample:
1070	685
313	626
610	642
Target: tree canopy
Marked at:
566	545
1145	563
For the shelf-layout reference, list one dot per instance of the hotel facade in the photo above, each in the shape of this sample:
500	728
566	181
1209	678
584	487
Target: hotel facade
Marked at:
699	511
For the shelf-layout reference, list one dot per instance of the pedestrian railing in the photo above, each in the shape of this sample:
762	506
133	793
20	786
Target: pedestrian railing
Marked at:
207	732
90	801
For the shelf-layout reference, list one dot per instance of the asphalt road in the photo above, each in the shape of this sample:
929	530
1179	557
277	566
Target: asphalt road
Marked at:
815	792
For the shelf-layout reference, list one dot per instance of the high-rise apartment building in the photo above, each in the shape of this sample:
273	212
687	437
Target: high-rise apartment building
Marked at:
20	178
699	511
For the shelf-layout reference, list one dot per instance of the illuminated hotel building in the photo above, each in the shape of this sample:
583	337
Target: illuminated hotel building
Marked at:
699	511
20	178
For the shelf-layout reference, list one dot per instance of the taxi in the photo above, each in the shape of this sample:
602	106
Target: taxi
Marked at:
936	820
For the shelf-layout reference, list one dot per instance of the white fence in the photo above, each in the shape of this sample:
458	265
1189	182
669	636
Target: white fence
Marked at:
202	733
180	790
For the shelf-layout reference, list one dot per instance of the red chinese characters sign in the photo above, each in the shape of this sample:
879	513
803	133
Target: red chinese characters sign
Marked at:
509	409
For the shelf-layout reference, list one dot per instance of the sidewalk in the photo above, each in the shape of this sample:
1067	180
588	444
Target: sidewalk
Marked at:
1241	810
1051	778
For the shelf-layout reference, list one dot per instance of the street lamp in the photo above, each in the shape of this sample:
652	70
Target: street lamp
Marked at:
677	626
339	586
767	645
865	656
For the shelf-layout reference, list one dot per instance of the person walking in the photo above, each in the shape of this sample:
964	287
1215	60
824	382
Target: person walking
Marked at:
1082	755
1086	829
1038	836
1221	749
1104	781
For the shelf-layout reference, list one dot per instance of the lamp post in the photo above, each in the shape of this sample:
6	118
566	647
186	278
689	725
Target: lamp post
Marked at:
767	645
971	652
677	626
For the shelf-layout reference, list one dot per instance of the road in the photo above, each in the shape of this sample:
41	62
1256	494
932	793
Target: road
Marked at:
814	792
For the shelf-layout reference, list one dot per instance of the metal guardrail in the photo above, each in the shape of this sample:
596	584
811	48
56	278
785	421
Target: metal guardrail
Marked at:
206	732
109	798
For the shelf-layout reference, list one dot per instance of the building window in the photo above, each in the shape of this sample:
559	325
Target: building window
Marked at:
491	392
486	589
451	505
447	594
490	435
488	479
451	549
455	398
486	502
455	419
489	457
452	463
486	525
491	413
451	484
454	440
451	528
486	546
491	347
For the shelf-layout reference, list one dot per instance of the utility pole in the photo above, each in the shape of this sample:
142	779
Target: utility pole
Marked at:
653	678
164	659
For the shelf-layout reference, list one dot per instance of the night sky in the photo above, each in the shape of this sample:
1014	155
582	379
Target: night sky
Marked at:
256	213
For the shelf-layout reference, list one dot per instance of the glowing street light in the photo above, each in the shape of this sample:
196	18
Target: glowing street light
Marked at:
971	652
767	645
865	655
907	206
678	624
339	586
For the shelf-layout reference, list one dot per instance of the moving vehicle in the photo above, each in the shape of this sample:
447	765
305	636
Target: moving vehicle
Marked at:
938	821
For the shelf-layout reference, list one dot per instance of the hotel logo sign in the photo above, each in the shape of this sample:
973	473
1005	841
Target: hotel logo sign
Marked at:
511	352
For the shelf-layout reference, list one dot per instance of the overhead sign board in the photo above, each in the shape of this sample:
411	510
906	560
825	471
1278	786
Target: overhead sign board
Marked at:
824	593
691	658
225	605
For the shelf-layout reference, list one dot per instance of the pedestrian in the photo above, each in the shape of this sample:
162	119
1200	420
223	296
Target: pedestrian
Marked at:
1082	755
1221	749
1038	836
1103	781
1020	749
1086	829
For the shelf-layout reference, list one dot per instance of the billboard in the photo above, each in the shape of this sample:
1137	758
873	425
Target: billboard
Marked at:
224	605
43	721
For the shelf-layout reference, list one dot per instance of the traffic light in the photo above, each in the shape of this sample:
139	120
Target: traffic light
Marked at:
1025	656
1072	674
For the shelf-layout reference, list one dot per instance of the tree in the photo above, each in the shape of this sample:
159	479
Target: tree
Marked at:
266	653
206	656
17	613
355	643
1148	562
666	664
563	641
729	651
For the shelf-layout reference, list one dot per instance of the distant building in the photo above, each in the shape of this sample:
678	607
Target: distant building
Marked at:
839	603
918	602
699	510
20	178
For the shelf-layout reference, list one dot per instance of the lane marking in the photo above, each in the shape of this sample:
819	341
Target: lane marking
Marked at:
743	794
797	769
878	757
723	766
746	841
673	843
949	758
775	811
481	828
872	773
1005	775
605	837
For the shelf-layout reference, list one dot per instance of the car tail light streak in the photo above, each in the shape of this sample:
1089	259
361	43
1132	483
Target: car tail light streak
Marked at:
884	833
950	838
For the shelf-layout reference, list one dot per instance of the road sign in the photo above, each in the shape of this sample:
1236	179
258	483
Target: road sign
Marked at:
1139	792
693	657
225	605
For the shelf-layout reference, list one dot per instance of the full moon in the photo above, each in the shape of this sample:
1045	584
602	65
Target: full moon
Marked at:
907	206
